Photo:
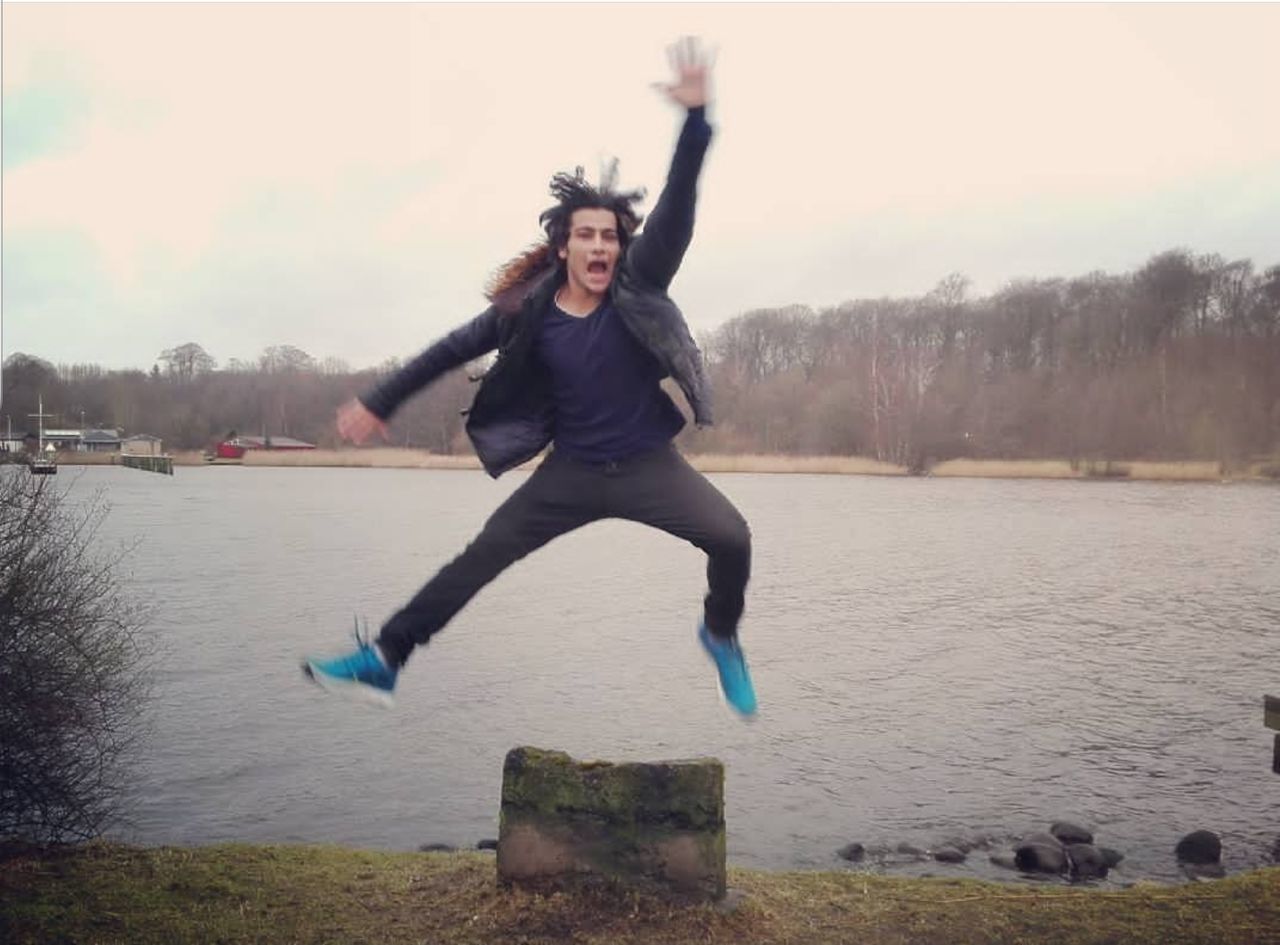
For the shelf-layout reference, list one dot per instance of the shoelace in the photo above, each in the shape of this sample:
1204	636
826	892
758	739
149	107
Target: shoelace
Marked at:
354	663
361	641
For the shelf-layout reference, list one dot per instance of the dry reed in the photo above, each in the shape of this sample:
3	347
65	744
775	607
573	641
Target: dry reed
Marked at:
401	458
1006	469
380	457
758	463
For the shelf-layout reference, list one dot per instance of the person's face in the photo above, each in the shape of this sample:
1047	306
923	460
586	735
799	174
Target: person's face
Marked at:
591	254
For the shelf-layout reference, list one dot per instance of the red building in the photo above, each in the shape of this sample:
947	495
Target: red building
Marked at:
236	446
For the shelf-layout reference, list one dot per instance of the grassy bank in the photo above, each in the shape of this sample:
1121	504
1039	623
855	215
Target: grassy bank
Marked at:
106	893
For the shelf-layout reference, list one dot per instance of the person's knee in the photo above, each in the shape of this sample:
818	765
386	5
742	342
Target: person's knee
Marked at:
733	539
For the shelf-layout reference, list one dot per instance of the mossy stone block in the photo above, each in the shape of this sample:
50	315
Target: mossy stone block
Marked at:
657	825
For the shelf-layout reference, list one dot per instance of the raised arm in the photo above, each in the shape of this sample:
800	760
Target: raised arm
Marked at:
655	254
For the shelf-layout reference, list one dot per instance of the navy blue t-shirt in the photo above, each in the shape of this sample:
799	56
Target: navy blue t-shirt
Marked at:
605	387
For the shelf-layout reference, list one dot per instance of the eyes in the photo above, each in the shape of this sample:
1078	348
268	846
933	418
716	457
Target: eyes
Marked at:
588	234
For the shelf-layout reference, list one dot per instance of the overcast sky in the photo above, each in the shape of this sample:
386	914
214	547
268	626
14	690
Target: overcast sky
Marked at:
343	178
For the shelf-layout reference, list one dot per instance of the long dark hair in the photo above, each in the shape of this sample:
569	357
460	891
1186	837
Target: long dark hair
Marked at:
572	192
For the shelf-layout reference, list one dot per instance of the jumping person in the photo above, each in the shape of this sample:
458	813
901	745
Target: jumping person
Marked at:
585	331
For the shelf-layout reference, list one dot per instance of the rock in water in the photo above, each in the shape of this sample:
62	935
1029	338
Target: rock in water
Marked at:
1068	832
1087	861
658	827
1199	847
1041	858
853	852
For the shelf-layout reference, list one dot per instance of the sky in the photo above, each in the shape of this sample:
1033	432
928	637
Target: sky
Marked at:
343	178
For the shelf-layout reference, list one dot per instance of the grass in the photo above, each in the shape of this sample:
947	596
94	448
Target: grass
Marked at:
287	895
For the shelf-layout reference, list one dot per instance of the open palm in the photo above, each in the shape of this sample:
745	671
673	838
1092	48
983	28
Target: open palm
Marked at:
692	67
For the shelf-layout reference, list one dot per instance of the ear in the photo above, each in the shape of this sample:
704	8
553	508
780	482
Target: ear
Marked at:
563	252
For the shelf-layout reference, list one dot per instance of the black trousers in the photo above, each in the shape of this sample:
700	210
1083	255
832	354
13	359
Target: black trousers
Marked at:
657	488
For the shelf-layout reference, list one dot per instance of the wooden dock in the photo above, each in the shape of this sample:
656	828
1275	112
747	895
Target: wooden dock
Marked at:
1271	718
157	464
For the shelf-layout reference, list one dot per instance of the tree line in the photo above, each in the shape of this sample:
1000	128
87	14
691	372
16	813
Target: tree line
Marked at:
1179	359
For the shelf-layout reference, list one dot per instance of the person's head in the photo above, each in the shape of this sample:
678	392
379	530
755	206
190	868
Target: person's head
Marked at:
589	227
599	214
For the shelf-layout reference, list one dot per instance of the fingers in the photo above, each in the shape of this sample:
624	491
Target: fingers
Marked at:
686	54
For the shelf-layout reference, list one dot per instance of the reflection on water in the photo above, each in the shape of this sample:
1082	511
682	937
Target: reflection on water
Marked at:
935	659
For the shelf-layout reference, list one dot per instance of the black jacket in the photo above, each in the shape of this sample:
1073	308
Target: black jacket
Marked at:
512	418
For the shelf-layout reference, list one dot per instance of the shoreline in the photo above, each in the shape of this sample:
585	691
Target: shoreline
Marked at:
1133	470
242	893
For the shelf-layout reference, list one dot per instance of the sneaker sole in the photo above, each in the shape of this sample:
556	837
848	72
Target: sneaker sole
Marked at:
349	688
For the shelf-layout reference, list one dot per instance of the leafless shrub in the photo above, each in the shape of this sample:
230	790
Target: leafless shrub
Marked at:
72	670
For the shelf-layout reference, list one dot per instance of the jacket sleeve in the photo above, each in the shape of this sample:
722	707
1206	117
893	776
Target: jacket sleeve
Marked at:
656	253
465	343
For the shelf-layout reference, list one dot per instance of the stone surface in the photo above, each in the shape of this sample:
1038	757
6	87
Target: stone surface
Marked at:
1068	832
1200	847
1041	858
1087	861
853	852
949	854
1047	839
656	826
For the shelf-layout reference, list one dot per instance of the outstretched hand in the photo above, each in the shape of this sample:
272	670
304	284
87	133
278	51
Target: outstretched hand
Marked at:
691	64
357	423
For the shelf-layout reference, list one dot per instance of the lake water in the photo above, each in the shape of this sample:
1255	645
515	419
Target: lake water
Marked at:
935	658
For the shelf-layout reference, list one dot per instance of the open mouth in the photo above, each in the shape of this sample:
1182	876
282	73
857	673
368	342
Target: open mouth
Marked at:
598	267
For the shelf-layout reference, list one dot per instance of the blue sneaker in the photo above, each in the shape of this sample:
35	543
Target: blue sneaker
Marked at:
731	664
362	675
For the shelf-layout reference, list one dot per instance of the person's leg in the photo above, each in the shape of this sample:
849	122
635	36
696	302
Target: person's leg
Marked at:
662	490
556	499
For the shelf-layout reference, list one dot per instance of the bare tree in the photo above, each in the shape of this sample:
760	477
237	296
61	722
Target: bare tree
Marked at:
72	677
278	359
188	360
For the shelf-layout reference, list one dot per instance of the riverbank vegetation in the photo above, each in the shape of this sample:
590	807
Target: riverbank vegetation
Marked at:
73	670
107	893
1172	362
402	458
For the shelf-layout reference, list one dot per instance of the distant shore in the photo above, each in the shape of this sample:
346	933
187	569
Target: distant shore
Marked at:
402	458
